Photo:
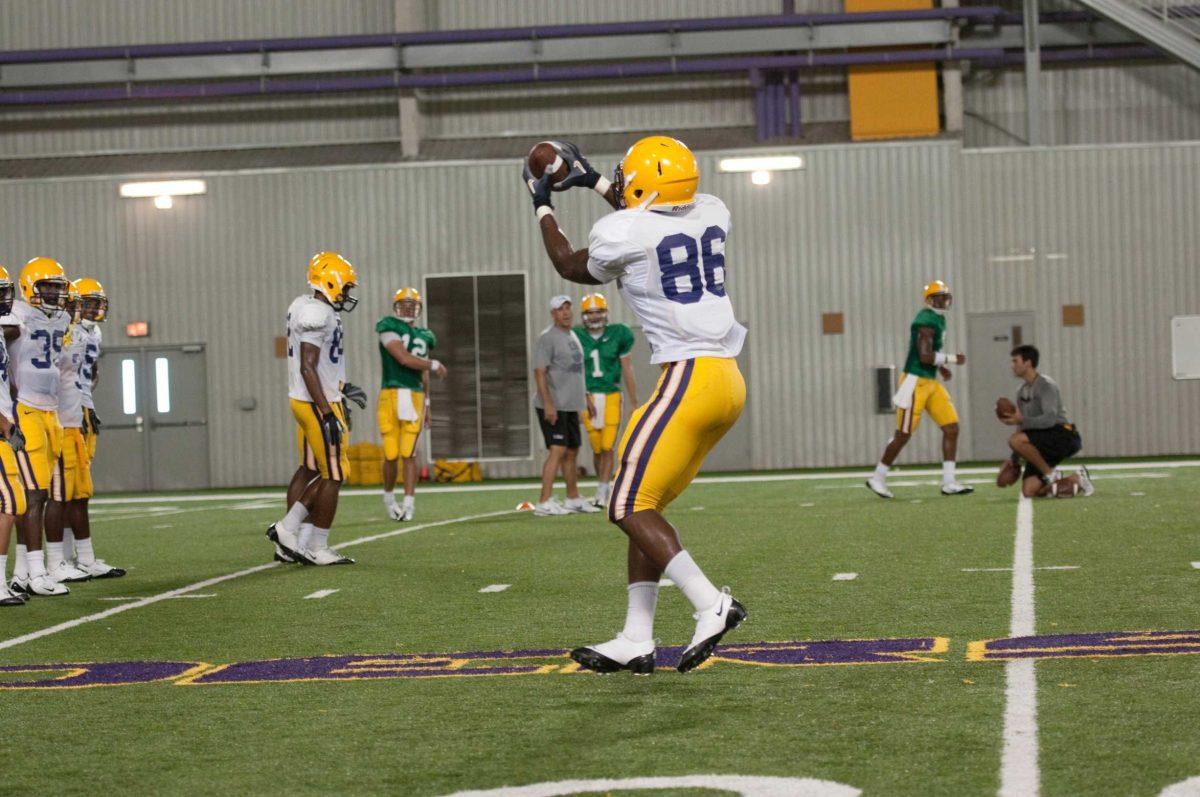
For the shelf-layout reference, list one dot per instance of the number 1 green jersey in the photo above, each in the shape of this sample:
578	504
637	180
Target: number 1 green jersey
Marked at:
418	340
602	356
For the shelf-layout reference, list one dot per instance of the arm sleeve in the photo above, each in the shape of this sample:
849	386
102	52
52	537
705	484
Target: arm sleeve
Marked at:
626	342
543	353
387	337
610	251
1051	402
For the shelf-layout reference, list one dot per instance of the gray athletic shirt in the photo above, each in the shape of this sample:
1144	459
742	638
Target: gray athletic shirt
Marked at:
1040	404
558	351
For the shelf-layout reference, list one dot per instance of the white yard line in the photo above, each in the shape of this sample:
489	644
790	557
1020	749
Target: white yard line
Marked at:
321	593
209	582
1019	774
495	587
276	494
845	576
1009	569
1196	565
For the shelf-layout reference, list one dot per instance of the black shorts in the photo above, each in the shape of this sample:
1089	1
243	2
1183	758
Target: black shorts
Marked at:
1054	444
564	432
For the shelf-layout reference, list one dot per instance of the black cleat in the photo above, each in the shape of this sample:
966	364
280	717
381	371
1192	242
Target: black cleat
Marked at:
591	659
283	546
698	652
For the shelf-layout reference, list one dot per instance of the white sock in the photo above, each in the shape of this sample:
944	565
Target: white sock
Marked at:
36	562
691	581
389	499
602	491
83	550
409	501
319	539
294	517
881	471
305	535
20	566
69	544
948	472
639	619
3	569
54	555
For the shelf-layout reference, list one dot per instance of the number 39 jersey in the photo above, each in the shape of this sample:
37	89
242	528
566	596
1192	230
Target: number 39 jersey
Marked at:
310	320
34	356
670	268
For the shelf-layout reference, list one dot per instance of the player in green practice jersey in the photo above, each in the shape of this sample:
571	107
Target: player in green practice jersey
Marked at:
921	392
404	350
606	362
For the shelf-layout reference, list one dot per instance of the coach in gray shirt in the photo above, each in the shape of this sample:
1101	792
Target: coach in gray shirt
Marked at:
560	397
1047	437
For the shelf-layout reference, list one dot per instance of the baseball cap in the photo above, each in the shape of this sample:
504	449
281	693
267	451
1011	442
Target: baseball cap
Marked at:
559	301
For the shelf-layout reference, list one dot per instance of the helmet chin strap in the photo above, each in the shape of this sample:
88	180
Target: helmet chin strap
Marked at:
938	310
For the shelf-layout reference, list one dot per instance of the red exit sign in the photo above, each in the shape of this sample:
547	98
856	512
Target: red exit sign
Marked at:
137	329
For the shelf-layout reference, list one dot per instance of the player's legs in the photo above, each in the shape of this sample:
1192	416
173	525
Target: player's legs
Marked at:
941	409
907	421
550	468
390	436
695	403
12	503
410	436
570	472
1020	443
603	440
35	463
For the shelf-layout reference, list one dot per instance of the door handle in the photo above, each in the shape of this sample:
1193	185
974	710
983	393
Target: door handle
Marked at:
175	424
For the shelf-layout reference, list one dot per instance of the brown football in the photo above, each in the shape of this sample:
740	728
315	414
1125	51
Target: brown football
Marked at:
1004	408
544	158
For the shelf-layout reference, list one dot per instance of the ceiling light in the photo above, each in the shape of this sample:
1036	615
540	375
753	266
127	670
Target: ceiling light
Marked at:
760	177
773	163
164	202
166	188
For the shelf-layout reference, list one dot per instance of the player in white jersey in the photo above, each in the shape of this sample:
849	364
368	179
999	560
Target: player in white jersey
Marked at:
12	492
35	340
665	246
71	483
316	373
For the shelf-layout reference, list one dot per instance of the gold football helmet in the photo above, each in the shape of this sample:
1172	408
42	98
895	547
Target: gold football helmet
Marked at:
44	284
334	278
8	292
937	289
407	304
657	170
93	301
595	311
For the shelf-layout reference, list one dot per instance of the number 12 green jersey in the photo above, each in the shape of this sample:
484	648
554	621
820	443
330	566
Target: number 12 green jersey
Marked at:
419	341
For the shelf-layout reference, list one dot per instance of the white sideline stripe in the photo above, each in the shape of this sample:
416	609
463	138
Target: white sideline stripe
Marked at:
845	576
205	595
1009	569
495	587
1019	774
321	593
1196	565
935	482
530	485
208	582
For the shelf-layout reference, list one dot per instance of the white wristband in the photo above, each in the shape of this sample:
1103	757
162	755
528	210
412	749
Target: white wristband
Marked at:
435	365
602	185
941	359
543	211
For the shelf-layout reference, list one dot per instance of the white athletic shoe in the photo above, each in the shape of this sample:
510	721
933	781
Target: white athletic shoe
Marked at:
549	508
284	540
957	488
600	502
8	598
46	585
102	569
1085	481
20	586
324	556
66	572
581	505
621	653
711	624
395	512
879	488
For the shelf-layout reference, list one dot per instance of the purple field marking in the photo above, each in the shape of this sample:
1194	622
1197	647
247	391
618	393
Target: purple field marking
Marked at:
100	673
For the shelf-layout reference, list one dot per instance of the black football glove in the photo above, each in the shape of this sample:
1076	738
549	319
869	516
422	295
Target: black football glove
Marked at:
94	420
348	416
331	428
539	187
16	438
356	394
581	172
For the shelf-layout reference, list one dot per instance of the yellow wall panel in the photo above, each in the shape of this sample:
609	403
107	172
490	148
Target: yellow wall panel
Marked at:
892	101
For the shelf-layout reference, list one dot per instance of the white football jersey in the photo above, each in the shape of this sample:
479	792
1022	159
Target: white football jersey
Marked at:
35	355
311	320
75	369
670	268
6	404
90	357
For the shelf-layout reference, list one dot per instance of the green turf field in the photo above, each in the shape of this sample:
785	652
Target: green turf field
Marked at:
395	711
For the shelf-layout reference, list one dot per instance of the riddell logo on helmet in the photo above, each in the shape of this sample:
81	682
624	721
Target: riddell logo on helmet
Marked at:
836	652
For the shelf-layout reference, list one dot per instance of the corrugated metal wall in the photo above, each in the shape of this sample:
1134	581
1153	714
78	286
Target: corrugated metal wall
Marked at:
1094	105
858	231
